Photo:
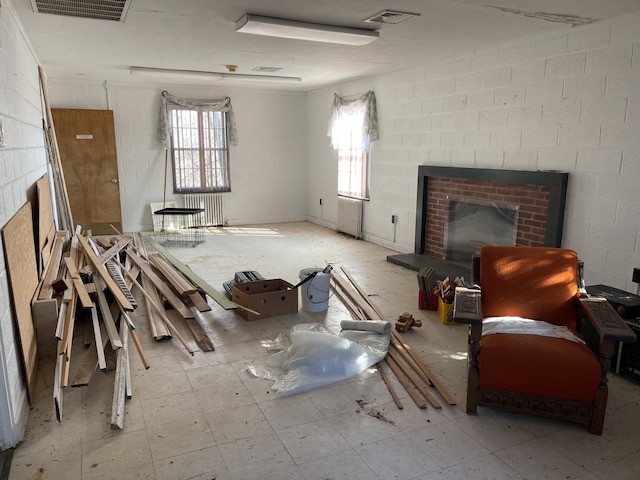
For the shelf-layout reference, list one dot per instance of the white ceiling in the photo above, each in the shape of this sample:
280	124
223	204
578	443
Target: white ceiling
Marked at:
200	35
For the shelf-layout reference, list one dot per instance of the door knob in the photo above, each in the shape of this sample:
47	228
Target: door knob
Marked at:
114	180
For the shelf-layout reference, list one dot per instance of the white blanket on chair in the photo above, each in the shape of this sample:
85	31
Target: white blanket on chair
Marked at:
491	325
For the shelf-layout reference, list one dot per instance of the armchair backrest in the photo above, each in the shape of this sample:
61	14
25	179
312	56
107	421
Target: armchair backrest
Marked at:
540	283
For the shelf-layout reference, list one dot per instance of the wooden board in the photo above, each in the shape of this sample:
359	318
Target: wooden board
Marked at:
87	144
46	226
20	253
220	299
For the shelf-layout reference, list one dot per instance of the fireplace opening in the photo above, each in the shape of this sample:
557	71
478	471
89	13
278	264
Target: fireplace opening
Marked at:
473	223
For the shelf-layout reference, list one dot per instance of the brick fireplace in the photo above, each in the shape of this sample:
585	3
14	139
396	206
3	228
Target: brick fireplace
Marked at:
539	198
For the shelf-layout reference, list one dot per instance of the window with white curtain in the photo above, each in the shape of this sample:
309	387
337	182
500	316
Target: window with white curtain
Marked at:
352	128
198	134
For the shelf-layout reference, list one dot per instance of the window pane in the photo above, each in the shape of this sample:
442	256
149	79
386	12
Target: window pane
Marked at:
199	148
352	161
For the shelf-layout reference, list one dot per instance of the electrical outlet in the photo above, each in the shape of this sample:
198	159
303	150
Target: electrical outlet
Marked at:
394	219
636	275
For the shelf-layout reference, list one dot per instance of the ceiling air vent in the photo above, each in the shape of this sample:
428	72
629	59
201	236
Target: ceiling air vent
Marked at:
114	10
391	16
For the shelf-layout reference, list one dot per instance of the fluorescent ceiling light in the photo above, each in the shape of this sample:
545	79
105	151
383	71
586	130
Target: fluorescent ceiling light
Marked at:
213	76
315	32
157	72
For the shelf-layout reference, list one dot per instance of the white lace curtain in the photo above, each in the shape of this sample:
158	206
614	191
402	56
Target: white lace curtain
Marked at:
342	108
223	105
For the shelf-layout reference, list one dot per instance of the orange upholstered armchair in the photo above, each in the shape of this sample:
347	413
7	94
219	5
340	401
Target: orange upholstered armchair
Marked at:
535	344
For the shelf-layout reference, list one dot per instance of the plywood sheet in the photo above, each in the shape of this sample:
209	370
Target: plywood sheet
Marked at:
20	256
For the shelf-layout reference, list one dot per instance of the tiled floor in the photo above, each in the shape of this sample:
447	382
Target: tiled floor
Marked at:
205	417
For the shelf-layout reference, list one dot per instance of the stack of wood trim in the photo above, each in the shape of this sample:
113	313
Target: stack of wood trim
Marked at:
94	270
412	373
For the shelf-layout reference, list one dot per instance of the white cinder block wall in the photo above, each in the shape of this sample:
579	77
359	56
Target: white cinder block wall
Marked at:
268	167
22	162
567	101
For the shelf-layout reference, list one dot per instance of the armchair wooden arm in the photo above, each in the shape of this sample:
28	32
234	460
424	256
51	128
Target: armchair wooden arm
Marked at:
605	320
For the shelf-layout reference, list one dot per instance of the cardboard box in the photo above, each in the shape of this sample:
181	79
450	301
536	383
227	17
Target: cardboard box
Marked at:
269	297
445	312
427	300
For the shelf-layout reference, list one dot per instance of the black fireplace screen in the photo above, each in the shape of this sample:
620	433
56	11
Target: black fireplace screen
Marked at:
473	223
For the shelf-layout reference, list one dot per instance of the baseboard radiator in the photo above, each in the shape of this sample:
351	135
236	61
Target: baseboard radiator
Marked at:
350	216
213	205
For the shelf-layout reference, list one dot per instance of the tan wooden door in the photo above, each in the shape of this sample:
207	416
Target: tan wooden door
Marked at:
87	144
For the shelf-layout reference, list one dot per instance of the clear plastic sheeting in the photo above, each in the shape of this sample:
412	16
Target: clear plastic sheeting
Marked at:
308	356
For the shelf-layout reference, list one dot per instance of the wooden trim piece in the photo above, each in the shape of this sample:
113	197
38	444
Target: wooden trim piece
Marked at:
369	312
175	278
199	302
83	295
415	379
156	307
362	293
89	362
60	186
418	400
119	383
102	271
107	317
426	370
387	382
162	287
134	336
108	254
52	267
102	363
57	389
398	345
200	335
222	300
157	325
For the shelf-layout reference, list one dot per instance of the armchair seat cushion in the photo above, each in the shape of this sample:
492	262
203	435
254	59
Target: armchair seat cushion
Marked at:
539	365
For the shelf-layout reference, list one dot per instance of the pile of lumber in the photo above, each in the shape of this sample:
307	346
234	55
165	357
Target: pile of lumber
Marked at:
96	280
413	374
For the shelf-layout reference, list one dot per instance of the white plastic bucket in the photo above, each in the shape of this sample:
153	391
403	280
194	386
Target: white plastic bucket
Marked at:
315	292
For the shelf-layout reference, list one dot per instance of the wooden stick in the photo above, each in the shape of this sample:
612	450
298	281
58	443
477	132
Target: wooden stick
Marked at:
419	401
356	312
102	363
387	382
107	317
119	384
414	378
157	327
57	390
160	311
362	293
369	312
134	336
409	359
427	371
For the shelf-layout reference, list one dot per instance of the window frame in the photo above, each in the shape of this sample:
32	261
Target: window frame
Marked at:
357	161
214	152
